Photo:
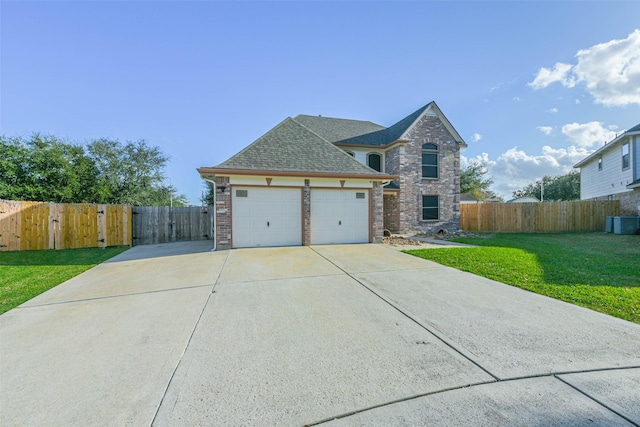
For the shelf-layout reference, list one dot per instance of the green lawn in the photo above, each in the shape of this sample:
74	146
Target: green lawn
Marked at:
23	275
599	271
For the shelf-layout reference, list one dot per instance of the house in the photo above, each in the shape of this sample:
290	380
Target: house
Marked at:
320	180
468	199
524	199
613	172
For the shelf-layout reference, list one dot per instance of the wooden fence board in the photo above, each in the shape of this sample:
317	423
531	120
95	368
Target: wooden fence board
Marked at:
164	224
548	217
38	225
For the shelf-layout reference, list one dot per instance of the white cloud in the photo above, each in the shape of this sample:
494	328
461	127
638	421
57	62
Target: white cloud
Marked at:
515	168
545	129
517	99
577	101
546	76
589	134
609	71
476	137
553	110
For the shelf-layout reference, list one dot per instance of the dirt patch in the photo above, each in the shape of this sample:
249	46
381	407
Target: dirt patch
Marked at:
401	241
449	235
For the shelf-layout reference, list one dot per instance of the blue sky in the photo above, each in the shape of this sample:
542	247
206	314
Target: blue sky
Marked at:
532	87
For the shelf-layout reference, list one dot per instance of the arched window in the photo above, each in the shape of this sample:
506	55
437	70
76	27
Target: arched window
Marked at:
351	153
374	161
430	161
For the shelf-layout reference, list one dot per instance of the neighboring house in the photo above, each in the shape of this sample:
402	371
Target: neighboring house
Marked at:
468	199
493	199
524	199
320	180
613	172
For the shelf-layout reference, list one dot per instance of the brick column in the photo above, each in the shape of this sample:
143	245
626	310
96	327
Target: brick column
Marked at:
377	203
223	213
306	214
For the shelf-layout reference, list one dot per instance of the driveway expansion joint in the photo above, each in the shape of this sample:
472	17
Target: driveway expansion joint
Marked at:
599	402
23	307
408	316
393	402
184	350
481	383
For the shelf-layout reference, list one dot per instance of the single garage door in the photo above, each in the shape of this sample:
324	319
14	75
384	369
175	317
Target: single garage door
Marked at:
339	216
268	216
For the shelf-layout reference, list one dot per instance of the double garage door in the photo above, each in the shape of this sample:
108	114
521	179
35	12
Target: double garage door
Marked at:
272	216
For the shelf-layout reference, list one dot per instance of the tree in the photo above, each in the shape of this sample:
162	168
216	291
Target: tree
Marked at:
556	188
45	168
473	180
130	173
208	194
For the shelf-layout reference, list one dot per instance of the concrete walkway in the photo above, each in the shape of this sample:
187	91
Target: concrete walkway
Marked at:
328	335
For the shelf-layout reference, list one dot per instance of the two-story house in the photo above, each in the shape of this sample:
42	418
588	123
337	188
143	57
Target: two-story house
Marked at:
613	172
320	180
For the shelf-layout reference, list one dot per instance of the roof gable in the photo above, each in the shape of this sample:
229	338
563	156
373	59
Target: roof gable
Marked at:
399	130
291	147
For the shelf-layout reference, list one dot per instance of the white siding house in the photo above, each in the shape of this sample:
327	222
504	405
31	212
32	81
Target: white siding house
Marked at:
613	172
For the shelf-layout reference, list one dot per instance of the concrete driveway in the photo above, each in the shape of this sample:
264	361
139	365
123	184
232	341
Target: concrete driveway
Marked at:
327	335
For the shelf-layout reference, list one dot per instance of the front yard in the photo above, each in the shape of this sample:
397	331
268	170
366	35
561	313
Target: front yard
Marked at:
24	275
599	271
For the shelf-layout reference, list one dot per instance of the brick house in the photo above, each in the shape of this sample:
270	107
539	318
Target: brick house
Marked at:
613	172
320	180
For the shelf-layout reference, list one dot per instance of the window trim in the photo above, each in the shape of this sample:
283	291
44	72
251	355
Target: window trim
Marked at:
373	153
437	208
430	150
628	155
351	153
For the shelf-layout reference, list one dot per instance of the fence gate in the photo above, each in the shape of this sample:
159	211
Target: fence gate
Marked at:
164	224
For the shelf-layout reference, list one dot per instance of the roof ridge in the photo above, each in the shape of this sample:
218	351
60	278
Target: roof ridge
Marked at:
259	138
313	132
340	118
337	148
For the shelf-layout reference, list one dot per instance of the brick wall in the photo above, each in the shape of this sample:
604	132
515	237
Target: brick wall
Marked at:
223	213
306	214
391	213
407	162
629	202
378	214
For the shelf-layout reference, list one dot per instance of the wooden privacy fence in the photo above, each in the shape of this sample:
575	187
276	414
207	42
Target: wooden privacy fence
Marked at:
42	225
547	217
164	224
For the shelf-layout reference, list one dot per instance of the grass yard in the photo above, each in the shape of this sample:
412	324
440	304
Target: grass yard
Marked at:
599	271
23	275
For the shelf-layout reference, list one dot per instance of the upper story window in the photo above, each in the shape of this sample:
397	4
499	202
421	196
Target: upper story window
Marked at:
600	163
374	161
625	156
351	153
430	161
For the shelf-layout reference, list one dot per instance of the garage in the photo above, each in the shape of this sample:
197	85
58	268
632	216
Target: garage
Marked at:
339	216
266	216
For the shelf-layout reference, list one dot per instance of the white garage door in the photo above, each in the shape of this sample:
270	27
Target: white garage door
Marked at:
339	216
267	216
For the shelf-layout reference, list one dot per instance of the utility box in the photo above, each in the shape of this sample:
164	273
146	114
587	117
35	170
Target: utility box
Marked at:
609	225
625	224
